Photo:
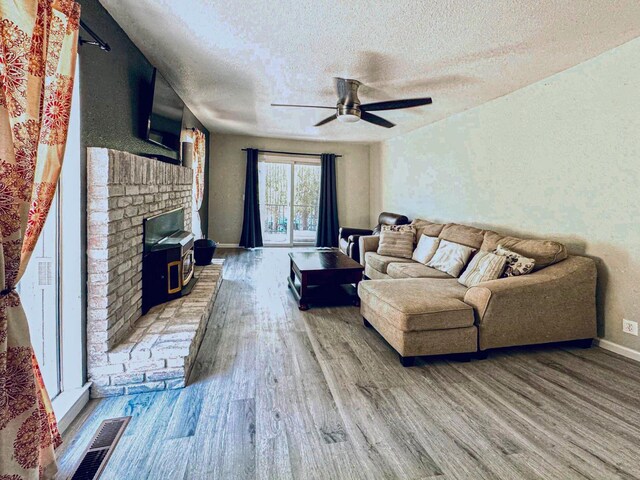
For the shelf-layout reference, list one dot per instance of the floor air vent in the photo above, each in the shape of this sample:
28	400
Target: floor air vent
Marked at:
97	455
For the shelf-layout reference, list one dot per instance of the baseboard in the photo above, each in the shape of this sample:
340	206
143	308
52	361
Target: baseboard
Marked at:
619	349
228	245
69	404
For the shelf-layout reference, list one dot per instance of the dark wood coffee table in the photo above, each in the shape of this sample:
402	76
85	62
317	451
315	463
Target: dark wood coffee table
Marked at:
324	277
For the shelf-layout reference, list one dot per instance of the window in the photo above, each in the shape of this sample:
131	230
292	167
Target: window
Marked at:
51	288
40	294
289	199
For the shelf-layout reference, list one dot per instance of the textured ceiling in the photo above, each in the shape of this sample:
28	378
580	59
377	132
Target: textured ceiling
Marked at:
229	59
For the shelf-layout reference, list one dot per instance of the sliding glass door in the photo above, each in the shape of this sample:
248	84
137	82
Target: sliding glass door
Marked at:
306	198
275	202
289	197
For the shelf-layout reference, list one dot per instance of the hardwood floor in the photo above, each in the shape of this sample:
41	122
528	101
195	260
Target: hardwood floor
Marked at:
277	393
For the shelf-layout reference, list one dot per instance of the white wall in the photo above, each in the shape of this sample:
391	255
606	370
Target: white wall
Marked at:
558	159
227	172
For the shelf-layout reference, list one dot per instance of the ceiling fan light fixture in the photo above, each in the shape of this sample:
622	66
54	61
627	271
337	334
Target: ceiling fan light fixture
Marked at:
348	118
348	113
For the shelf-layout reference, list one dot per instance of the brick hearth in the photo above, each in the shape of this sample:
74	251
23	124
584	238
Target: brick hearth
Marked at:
159	352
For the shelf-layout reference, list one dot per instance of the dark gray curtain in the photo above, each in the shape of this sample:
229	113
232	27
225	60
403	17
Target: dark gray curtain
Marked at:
328	212
251	229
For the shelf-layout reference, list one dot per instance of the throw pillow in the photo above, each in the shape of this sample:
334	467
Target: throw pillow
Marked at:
396	243
483	267
516	264
399	228
427	246
450	257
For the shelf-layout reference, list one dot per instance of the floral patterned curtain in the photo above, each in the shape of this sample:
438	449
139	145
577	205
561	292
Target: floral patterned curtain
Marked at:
199	158
38	46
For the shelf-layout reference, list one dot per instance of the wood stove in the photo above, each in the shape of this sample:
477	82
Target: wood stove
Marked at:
167	259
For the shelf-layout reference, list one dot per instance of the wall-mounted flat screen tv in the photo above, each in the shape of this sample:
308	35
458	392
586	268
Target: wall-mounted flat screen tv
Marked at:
165	120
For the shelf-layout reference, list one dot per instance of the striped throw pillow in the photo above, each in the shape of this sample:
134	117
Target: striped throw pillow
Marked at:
396	243
483	267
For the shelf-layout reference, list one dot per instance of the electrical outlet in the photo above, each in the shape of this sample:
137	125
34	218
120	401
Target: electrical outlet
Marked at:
629	326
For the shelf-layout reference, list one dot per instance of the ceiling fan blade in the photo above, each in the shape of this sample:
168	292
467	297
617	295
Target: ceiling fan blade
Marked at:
395	104
326	120
371	118
303	106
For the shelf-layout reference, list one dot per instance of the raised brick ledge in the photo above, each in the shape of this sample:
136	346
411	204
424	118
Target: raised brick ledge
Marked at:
160	350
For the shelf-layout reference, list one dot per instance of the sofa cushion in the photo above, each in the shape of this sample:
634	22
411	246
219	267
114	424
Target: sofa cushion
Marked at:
396	243
381	262
425	227
462	234
483	267
418	304
516	264
544	252
373	274
451	257
398	228
414	270
427	246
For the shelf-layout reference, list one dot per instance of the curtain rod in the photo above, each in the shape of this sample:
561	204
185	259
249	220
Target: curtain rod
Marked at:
298	154
97	40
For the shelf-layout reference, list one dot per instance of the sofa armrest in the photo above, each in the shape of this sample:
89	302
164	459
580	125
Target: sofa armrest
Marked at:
346	232
368	243
354	247
552	305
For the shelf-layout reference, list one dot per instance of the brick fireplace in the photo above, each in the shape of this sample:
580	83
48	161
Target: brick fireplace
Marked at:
124	353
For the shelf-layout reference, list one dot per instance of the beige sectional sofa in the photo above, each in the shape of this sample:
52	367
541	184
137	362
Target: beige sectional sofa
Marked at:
423	311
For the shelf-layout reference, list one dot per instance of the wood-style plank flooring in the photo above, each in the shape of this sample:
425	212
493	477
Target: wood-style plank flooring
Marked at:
277	393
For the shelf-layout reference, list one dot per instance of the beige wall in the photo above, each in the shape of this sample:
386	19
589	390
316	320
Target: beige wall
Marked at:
227	172
560	159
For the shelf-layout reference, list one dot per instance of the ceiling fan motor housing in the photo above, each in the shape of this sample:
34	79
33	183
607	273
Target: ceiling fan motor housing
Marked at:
349	104
348	111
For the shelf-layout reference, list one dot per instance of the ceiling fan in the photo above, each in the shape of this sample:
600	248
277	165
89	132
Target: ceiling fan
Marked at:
350	110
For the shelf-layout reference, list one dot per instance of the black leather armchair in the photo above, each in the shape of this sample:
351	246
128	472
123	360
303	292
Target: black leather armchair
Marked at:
348	237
